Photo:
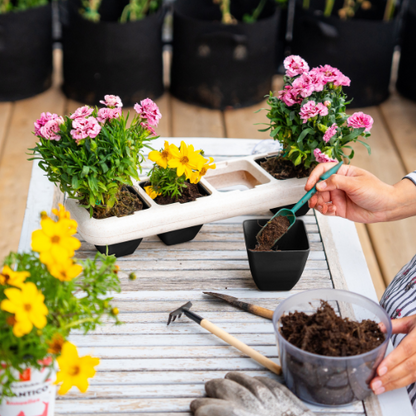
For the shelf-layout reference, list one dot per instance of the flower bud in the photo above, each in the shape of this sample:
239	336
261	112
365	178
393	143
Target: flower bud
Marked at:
327	103
132	276
116	269
322	128
43	215
114	311
106	304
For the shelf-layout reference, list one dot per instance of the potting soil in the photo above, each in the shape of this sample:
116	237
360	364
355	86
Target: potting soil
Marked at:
325	333
189	193
273	231
127	203
284	169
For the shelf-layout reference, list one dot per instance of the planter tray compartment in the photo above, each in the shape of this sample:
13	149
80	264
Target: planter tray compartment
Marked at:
261	192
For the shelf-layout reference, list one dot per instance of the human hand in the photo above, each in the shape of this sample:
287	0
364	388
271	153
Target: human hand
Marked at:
398	369
353	193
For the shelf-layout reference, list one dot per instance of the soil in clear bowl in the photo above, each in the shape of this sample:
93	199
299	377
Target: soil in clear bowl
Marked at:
323	380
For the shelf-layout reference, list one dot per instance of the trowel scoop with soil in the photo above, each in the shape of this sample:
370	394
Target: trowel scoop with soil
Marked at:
281	222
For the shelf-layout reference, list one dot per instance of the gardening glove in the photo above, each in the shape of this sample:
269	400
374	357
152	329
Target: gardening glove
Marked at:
241	395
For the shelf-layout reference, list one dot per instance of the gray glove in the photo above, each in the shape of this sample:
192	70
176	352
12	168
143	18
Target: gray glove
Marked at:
241	395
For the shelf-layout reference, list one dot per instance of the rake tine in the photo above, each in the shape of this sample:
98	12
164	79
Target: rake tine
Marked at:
169	320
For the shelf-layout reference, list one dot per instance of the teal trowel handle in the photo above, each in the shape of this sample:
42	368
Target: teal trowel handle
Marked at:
308	195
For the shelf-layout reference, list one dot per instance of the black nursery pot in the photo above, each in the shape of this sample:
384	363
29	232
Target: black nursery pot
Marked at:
362	49
109	57
277	270
406	83
216	65
25	53
127	247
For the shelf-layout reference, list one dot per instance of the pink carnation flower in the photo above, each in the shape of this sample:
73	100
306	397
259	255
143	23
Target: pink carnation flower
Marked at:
330	74
148	127
322	157
330	133
85	127
303	86
295	65
83	112
112	101
149	111
49	130
342	80
316	78
44	118
289	96
310	110
360	120
105	114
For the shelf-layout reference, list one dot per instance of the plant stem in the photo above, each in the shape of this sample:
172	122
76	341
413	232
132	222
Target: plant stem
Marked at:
329	5
79	322
389	11
258	10
306	4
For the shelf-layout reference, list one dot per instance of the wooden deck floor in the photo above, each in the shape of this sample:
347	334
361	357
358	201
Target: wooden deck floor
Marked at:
387	246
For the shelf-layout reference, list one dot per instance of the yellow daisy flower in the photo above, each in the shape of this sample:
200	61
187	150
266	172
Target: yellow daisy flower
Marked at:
202	170
54	241
151	192
185	159
161	158
27	306
55	344
65	271
64	215
12	278
74	370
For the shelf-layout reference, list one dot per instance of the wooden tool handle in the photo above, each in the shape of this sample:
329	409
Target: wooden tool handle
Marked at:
255	355
258	310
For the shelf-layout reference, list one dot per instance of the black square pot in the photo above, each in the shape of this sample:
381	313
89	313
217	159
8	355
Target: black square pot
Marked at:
180	236
277	270
126	247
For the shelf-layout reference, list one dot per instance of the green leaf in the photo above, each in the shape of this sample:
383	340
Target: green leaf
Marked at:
366	146
304	133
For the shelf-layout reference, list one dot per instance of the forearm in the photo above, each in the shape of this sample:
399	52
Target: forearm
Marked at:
404	195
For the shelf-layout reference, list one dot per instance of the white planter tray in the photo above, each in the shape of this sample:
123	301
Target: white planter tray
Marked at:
263	192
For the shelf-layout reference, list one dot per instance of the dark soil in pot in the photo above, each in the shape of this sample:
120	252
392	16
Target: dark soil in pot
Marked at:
406	83
362	48
216	65
109	57
129	202
189	194
284	169
281	269
25	53
326	334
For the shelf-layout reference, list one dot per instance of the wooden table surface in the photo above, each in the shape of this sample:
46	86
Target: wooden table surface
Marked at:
148	368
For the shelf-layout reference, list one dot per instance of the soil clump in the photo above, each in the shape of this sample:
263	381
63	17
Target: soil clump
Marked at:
189	193
273	231
127	203
285	169
325	333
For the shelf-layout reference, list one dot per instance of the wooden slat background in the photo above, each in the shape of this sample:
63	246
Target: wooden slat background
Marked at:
387	246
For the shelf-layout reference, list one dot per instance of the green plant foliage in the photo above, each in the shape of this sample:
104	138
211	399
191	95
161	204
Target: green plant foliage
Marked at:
139	9
89	10
166	182
20	5
77	304
94	169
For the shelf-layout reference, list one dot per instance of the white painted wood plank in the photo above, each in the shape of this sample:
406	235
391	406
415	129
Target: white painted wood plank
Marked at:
154	405
138	340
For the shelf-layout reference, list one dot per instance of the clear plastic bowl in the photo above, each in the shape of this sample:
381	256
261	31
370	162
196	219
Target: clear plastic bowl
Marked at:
330	381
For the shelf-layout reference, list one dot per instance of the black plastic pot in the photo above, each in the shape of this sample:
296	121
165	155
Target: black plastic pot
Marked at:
108	57
361	48
406	83
277	270
216	65
25	53
180	236
127	247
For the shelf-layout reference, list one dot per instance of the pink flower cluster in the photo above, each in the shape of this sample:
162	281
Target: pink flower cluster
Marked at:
309	81
48	126
85	127
360	120
322	157
330	133
82	112
112	101
149	111
105	114
310	110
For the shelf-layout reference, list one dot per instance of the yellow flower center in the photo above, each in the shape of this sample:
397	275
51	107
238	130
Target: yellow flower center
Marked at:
165	154
4	279
203	171
184	160
27	307
55	239
74	370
